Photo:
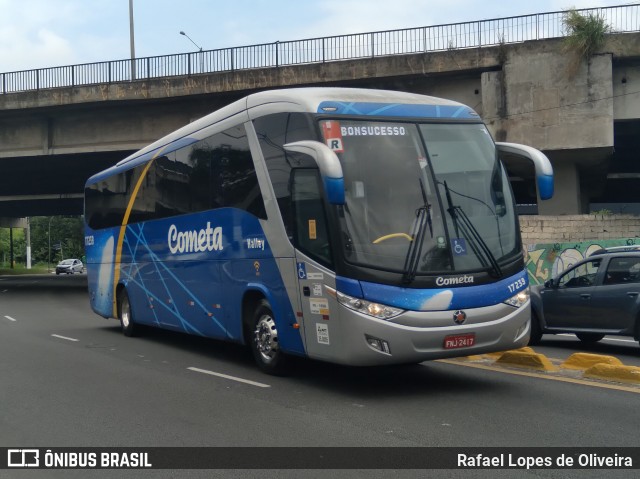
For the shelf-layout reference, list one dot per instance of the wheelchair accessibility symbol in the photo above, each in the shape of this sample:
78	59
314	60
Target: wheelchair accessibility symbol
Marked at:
459	246
302	271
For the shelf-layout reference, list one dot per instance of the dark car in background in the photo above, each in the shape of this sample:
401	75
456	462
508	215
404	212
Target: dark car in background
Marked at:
597	296
69	266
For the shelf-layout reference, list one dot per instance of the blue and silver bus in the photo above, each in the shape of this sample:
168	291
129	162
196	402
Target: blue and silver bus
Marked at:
354	226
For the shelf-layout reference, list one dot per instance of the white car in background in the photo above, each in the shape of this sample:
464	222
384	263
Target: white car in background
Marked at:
69	266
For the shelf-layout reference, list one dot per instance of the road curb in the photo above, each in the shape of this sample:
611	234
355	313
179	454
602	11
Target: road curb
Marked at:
583	361
497	355
620	373
473	357
525	359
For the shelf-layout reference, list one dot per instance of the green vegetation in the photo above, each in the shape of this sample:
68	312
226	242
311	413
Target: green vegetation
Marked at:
21	269
602	212
67	241
585	33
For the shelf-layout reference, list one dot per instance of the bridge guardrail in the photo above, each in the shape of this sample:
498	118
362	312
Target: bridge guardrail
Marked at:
483	33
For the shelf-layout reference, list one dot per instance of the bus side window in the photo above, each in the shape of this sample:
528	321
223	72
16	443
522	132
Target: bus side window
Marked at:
221	173
238	180
273	132
311	234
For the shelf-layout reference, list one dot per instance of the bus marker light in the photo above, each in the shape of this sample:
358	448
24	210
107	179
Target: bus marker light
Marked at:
374	343
378	344
295	326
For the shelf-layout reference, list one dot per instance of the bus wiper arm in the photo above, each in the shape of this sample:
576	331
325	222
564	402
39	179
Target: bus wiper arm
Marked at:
462	223
423	214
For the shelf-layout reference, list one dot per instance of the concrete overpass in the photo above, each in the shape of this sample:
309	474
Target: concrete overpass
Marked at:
55	135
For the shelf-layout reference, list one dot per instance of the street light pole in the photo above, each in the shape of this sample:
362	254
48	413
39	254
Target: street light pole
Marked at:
199	49
49	263
28	235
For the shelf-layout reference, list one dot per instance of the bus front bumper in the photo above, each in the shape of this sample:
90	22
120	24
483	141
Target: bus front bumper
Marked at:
359	340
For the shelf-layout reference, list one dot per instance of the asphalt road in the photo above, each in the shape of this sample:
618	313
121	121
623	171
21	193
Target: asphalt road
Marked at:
70	378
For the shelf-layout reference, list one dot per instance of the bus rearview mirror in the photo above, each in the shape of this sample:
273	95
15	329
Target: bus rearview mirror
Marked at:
544	170
328	164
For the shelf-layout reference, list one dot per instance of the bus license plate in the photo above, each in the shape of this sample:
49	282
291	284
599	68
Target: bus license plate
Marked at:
459	341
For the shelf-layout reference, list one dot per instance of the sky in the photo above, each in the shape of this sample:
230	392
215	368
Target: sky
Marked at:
44	33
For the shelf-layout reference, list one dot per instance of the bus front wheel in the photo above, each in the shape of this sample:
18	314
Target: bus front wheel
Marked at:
126	316
264	341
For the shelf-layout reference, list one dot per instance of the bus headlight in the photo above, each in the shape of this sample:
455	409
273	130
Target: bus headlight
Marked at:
376	310
519	299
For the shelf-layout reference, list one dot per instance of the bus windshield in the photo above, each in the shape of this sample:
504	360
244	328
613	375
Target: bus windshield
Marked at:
423	199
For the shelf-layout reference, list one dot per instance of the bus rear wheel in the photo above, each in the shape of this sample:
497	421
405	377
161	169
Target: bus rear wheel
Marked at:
264	341
125	314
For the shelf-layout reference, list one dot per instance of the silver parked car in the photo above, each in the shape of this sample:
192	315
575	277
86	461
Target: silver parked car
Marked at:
597	296
69	266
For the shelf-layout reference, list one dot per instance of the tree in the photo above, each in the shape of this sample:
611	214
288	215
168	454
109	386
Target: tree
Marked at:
65	230
5	246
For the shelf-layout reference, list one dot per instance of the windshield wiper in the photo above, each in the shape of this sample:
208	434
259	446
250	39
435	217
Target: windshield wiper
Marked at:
423	219
462	223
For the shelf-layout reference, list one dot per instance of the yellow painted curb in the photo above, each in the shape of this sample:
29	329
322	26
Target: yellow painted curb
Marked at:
623	374
526	349
473	357
493	355
584	361
498	354
524	359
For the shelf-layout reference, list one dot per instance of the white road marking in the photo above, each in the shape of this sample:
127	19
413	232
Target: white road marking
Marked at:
232	378
10	318
64	337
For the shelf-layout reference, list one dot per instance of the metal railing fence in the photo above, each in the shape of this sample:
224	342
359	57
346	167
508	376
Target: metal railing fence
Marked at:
540	26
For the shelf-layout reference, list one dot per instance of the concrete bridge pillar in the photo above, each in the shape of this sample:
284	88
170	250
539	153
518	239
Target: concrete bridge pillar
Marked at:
567	198
546	98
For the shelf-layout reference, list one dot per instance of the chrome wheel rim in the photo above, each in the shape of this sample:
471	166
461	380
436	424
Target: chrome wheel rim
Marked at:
266	338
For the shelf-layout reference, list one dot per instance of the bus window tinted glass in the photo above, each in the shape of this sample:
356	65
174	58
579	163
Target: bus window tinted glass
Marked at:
274	131
311	232
212	173
235	174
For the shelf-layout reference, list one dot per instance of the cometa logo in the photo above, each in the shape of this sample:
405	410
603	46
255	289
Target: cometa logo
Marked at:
440	281
206	239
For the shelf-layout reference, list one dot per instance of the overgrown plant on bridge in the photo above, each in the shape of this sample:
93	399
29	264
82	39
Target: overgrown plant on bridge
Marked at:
586	34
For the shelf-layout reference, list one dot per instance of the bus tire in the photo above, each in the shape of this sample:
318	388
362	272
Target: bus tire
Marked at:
129	327
264	341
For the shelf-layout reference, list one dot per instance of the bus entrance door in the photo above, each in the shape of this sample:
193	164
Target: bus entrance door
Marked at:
317	305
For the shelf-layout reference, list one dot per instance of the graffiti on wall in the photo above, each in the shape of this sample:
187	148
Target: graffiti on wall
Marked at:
545	261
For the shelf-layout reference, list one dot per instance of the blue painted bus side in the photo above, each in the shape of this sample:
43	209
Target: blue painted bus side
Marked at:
178	278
